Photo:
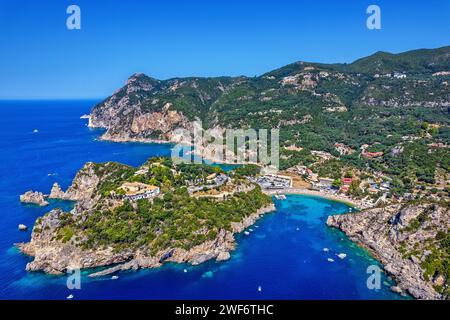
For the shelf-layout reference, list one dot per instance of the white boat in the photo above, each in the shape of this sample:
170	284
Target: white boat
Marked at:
341	255
246	233
69	297
114	277
185	270
259	288
330	260
326	249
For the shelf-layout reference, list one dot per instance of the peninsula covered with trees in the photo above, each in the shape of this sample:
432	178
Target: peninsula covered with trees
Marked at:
143	217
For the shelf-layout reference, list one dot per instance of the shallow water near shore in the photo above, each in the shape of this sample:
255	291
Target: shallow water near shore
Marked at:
283	255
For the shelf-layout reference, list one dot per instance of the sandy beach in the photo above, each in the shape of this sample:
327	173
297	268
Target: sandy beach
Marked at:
309	192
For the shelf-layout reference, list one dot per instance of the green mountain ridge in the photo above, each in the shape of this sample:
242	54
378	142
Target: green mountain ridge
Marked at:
383	100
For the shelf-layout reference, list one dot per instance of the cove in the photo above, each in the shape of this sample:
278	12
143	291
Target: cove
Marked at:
282	258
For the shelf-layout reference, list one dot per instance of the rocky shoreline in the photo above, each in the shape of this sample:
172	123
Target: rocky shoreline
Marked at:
382	231
124	138
56	193
218	249
55	257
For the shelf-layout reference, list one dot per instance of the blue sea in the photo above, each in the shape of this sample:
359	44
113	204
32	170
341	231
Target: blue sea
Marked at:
46	141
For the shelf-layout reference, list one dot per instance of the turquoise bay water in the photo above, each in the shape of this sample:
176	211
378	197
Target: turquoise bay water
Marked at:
283	255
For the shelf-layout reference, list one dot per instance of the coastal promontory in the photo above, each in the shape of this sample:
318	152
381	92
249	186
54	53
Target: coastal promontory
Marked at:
411	240
143	217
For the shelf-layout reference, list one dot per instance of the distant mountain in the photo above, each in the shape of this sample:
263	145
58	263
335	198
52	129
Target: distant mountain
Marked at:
378	127
379	100
423	61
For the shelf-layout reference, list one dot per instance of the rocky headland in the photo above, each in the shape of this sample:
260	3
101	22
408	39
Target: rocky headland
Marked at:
55	257
408	241
94	235
147	109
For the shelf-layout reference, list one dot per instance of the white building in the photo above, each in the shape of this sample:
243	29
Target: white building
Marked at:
136	191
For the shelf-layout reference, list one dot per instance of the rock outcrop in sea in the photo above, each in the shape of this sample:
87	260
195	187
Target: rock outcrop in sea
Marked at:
34	197
56	192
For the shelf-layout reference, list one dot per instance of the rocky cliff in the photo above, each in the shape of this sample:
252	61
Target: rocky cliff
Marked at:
84	184
404	238
56	251
147	109
97	231
83	188
53	252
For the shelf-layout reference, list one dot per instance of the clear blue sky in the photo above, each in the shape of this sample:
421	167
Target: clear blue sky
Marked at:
40	58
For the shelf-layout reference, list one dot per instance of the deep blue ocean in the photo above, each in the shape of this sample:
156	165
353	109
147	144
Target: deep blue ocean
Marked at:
283	255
